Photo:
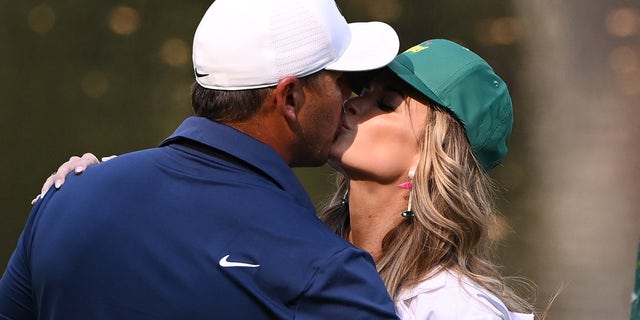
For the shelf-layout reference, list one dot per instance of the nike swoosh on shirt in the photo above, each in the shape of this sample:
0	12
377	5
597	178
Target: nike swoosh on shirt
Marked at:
226	263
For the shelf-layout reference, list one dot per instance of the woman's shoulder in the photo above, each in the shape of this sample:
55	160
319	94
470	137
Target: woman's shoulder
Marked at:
448	295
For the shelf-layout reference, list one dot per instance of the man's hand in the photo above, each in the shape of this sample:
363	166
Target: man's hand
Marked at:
76	165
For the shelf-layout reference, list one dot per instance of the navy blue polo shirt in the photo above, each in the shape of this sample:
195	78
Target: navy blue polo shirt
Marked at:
176	232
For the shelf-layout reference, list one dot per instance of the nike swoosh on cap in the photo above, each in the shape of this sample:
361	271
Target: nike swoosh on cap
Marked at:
226	263
200	75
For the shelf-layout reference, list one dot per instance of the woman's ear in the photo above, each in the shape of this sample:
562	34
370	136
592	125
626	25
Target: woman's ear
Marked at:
289	97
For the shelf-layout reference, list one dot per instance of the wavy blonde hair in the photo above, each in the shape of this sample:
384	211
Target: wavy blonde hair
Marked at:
454	209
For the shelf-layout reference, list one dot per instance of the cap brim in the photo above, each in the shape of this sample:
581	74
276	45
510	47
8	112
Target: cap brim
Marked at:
373	45
403	68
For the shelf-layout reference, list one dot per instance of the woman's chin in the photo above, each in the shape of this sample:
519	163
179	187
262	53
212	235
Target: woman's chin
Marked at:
335	164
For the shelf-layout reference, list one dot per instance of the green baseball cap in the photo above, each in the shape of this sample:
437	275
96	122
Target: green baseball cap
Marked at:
461	81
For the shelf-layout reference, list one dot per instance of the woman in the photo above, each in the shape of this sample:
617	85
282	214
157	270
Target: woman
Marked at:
412	187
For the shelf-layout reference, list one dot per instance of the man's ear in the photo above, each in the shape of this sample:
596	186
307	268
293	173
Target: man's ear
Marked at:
290	97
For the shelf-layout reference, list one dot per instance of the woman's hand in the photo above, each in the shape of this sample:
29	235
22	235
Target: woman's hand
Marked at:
76	165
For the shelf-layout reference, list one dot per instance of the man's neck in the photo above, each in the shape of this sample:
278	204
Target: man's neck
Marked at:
268	130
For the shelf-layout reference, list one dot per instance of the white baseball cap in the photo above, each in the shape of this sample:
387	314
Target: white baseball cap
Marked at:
247	44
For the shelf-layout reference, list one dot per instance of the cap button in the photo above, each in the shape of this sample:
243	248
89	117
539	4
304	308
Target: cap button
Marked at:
496	83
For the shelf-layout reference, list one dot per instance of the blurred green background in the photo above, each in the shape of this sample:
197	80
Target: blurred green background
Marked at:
113	76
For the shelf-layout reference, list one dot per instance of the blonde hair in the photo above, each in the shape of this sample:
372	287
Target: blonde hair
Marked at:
454	209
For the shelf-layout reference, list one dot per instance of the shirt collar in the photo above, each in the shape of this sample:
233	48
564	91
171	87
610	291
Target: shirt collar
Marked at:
243	147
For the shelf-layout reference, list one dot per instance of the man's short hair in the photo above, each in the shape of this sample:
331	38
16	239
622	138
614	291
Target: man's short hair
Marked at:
233	105
224	105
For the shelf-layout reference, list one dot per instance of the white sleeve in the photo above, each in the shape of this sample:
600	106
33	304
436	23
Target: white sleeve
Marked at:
445	297
446	305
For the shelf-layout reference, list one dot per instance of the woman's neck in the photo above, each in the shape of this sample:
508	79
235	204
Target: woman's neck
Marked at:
374	210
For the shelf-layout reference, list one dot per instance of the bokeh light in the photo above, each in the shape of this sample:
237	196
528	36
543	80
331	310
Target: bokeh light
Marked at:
123	20
94	84
385	10
629	84
624	60
175	52
41	18
623	22
498	31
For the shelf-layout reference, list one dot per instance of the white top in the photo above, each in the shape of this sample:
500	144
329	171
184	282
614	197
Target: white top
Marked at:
446	296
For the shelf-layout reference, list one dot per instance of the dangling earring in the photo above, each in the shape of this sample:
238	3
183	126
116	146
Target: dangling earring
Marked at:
344	202
409	186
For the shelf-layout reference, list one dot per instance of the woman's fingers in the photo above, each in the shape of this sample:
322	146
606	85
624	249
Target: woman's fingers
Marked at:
75	164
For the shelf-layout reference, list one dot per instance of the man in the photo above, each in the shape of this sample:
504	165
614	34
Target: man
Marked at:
213	224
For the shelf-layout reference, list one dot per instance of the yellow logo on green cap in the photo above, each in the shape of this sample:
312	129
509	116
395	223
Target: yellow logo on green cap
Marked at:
420	47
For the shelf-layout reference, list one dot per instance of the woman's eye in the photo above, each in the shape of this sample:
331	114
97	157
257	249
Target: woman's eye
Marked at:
385	106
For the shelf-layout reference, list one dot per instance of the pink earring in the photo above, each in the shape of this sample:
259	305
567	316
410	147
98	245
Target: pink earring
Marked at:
409	186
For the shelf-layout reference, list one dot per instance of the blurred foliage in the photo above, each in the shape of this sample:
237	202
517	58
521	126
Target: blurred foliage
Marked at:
70	84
